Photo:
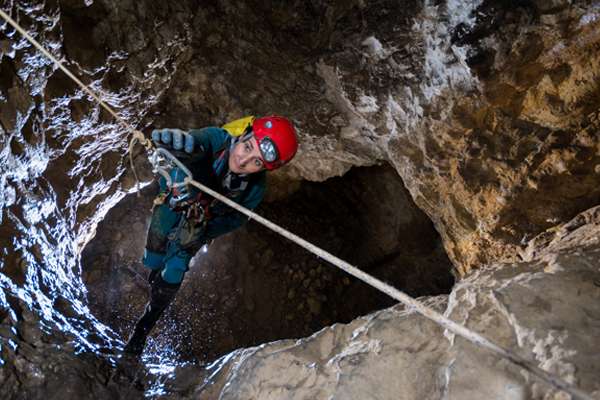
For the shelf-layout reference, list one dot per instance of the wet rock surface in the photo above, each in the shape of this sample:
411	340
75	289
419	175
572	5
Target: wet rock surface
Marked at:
61	169
252	287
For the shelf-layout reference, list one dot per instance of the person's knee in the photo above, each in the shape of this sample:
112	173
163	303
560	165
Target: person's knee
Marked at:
173	276
153	260
176	267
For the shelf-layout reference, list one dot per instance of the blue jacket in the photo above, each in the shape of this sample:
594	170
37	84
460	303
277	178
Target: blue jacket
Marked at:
209	165
210	169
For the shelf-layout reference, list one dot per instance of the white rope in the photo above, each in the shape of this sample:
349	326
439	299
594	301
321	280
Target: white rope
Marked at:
447	323
63	68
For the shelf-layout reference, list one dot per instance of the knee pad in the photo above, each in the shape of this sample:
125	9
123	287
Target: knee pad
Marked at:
153	260
175	267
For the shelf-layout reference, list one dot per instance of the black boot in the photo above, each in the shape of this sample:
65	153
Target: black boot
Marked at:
161	295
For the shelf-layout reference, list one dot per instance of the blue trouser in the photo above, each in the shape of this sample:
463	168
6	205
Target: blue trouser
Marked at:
165	250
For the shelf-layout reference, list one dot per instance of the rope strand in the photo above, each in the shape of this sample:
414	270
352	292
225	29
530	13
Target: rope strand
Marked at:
89	91
396	294
64	69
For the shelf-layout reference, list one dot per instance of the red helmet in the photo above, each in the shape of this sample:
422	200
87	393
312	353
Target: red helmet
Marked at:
276	139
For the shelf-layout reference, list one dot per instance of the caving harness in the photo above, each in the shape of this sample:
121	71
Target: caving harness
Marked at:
194	204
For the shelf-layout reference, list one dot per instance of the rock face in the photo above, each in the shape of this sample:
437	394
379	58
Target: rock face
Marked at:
487	110
545	309
484	118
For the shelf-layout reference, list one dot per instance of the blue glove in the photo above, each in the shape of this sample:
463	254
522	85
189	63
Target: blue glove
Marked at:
174	139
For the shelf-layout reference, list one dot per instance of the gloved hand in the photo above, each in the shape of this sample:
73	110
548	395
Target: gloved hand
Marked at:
174	139
179	143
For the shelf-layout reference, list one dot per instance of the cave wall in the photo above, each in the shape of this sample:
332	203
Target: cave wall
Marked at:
61	156
61	169
491	121
519	154
487	110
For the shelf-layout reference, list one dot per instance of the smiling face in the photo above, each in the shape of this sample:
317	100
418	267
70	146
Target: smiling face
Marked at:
245	158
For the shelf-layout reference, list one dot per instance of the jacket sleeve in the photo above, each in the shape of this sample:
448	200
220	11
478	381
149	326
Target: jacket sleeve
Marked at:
225	219
208	140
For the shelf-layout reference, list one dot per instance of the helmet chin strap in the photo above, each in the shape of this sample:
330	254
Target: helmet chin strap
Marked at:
231	180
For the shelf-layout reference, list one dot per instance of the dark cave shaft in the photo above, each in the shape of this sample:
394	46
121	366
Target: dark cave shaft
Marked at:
253	287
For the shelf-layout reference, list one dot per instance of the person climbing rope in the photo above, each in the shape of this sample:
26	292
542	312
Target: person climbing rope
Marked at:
231	160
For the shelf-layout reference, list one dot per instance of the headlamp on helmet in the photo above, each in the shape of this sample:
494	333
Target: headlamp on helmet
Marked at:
268	150
276	139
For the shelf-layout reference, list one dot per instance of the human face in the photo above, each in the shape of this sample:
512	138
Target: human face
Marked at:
245	158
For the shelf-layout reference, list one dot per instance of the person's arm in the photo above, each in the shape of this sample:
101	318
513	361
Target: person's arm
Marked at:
208	140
